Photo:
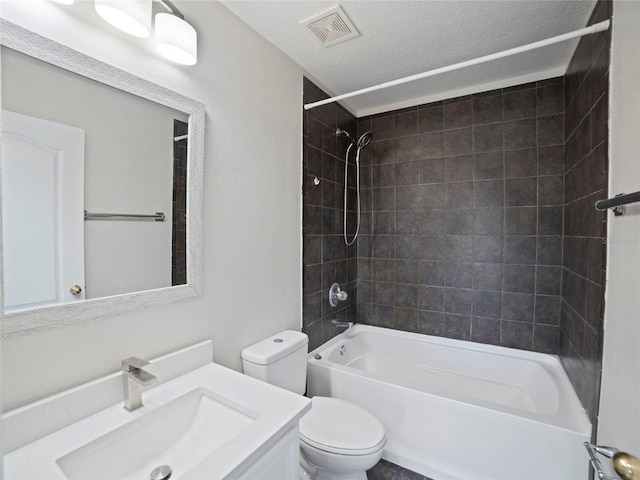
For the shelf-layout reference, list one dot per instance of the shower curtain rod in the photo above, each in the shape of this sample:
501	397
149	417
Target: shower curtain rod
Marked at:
595	28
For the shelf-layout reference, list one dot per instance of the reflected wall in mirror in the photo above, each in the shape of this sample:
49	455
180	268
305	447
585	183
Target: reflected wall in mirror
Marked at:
130	147
128	168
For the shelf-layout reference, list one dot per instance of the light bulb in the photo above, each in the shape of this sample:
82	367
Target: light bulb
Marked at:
176	39
130	16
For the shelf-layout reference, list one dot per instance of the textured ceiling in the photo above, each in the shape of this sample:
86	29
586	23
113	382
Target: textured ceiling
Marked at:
400	38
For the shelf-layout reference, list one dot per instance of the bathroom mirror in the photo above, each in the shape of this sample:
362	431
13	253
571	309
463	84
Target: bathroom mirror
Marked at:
122	145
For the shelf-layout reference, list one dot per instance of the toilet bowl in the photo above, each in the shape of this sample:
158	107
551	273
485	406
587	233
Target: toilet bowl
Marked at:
338	440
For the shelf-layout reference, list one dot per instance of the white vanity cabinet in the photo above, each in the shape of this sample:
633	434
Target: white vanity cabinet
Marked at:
280	462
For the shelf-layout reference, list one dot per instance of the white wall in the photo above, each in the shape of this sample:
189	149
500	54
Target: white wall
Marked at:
128	168
252	202
619	422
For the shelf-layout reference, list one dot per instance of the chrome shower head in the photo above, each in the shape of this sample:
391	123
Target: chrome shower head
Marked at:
344	133
365	139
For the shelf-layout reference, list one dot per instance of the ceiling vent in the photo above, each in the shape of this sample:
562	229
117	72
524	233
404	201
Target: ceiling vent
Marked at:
331	26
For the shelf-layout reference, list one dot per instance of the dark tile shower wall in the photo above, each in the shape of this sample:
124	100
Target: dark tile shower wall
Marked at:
464	218
586	176
326	258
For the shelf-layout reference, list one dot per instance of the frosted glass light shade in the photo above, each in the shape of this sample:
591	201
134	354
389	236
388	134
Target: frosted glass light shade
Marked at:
176	39
64	2
130	16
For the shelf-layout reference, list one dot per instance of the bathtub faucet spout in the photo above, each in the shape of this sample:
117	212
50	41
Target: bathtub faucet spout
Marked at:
338	323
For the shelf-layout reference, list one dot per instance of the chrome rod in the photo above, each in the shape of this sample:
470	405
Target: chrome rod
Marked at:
617	202
171	8
158	216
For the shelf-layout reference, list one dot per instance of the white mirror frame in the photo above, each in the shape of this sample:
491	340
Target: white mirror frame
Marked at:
34	45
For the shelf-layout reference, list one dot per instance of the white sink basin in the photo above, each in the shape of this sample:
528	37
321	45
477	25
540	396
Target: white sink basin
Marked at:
201	419
180	434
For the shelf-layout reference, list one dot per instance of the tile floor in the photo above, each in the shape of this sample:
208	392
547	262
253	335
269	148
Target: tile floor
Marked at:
390	471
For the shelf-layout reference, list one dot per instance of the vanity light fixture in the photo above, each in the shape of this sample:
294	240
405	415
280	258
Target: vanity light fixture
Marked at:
175	39
130	16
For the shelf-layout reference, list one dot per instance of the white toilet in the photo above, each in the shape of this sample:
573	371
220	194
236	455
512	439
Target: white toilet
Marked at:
338	440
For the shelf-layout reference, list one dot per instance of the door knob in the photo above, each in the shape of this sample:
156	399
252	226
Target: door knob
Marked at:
627	466
75	290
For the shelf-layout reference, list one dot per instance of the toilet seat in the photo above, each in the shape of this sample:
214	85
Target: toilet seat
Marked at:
337	426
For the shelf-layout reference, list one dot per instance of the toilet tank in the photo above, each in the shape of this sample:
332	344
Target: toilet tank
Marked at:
280	360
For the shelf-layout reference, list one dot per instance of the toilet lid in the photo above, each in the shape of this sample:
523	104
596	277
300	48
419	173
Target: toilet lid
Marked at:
338	426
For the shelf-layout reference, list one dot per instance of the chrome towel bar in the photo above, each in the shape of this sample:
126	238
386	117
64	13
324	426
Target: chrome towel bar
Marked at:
158	216
617	202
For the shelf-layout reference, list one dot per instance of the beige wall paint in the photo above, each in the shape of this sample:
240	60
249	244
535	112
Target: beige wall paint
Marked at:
619	422
252	202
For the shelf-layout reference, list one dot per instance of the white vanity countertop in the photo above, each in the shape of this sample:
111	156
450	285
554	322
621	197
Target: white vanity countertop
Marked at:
276	410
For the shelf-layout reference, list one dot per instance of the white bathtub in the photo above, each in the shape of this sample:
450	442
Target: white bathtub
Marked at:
459	410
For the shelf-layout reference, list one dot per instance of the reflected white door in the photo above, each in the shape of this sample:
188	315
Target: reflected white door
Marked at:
42	212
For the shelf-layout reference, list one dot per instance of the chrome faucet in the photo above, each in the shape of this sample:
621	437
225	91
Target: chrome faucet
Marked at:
134	380
339	323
